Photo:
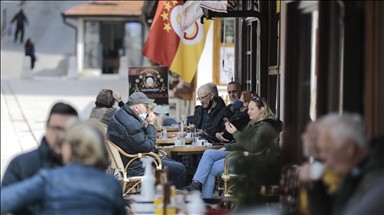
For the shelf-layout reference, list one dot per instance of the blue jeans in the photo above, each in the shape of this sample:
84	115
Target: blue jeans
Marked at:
211	165
176	172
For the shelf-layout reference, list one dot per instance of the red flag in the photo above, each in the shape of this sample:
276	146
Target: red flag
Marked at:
169	46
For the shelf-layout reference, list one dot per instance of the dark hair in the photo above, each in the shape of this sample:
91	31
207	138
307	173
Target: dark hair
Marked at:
238	87
63	109
105	99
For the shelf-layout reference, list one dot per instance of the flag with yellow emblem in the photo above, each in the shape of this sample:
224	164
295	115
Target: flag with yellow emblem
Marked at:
168	45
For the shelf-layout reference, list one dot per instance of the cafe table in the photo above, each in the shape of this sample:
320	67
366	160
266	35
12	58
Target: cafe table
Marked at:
170	141
188	155
188	149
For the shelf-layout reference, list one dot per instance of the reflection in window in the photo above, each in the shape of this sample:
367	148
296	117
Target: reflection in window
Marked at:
227	30
133	41
92	53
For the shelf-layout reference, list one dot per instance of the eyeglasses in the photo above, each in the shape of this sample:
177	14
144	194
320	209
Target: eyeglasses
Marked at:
56	128
203	97
232	92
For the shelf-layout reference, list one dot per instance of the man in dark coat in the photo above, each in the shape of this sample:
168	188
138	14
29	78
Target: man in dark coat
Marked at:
132	129
208	117
47	155
344	149
29	49
20	19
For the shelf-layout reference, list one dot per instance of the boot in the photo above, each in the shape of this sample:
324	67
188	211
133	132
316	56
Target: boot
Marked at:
195	185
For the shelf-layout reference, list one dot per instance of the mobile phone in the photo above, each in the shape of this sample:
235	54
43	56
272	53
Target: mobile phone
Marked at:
225	119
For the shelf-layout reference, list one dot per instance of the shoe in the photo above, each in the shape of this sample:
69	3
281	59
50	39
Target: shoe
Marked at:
195	185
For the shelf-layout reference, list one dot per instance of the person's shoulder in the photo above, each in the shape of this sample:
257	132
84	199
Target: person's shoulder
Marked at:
26	157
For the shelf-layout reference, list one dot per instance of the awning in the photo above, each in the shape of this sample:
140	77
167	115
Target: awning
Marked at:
106	9
193	10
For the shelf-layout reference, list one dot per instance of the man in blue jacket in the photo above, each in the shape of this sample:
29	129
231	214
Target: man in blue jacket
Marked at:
47	155
132	129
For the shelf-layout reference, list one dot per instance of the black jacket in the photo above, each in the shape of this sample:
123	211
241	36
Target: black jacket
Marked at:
28	164
361	192
127	131
215	119
240	120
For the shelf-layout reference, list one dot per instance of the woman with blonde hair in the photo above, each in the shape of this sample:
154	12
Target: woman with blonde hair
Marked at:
259	136
80	187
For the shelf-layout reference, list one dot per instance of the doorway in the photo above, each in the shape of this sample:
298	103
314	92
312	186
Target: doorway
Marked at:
111	39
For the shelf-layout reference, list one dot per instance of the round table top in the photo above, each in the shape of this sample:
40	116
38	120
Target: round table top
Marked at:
170	141
190	148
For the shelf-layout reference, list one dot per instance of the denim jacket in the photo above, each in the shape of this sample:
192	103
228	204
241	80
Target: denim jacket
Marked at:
73	189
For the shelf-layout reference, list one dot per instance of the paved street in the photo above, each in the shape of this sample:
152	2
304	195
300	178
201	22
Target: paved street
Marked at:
25	102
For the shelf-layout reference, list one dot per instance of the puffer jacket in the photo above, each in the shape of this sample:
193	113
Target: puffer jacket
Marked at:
215	119
127	131
73	189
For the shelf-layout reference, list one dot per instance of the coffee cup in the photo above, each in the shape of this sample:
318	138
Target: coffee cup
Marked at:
189	135
178	142
202	142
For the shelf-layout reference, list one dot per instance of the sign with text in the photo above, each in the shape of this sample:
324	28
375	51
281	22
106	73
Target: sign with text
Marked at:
153	81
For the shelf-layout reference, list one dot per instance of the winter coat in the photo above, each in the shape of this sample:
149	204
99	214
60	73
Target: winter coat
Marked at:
28	164
103	114
215	119
19	18
73	189
361	192
127	131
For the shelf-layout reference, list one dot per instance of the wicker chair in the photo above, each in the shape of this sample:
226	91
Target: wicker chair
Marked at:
270	192
117	168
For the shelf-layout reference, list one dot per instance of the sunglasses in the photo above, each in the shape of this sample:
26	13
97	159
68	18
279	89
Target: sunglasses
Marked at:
258	100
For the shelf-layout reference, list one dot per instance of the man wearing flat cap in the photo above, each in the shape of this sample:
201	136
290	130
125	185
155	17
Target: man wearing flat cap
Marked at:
132	129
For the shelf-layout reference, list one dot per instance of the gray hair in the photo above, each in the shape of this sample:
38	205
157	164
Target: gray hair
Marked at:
210	87
341	128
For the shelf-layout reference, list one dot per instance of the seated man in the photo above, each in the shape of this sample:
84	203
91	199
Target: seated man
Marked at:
47	155
132	129
104	109
234	90
209	115
344	148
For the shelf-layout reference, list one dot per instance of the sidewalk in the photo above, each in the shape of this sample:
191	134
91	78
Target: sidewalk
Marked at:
25	105
25	102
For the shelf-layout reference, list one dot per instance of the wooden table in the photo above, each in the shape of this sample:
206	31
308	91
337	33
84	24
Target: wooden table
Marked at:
189	149
171	141
189	156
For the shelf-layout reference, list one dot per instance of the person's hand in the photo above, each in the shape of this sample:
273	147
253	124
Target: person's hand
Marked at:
191	127
304	172
219	136
230	127
117	96
151	118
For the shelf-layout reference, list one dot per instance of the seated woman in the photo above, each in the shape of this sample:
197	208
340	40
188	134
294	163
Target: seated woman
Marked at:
258	136
80	187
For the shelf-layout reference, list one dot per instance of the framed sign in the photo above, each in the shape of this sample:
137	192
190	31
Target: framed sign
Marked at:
223	51
153	81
